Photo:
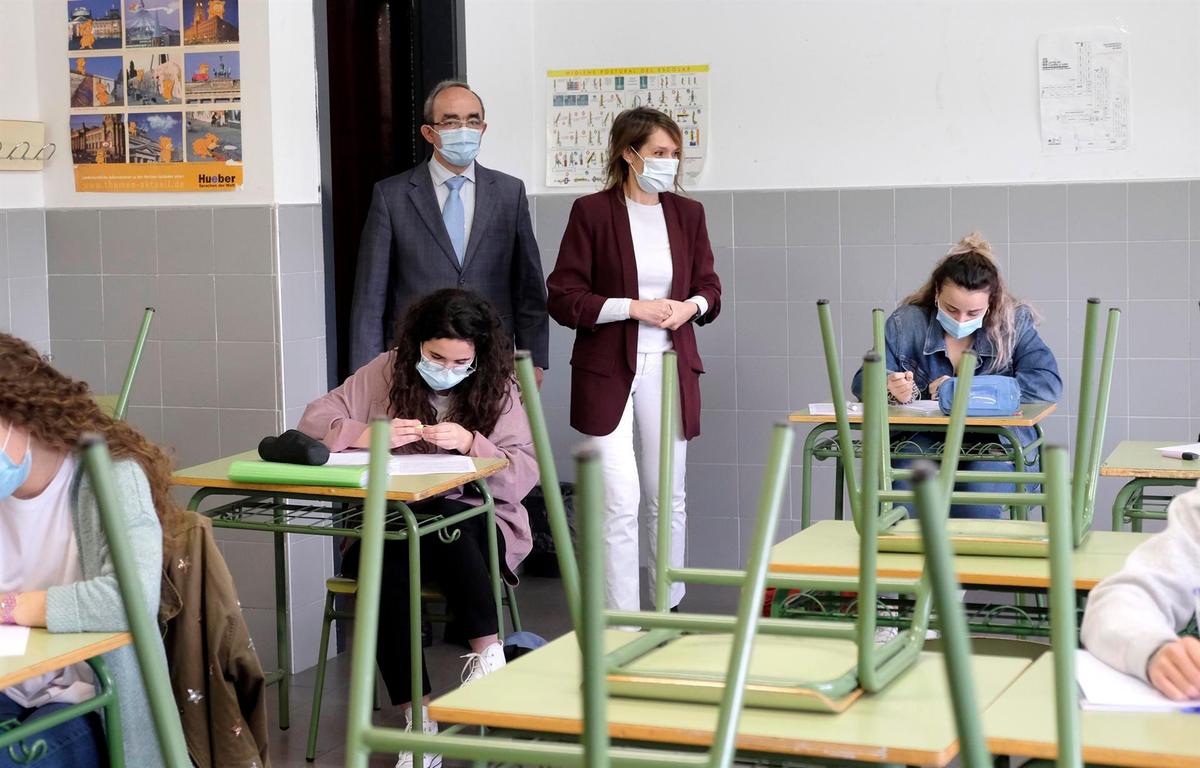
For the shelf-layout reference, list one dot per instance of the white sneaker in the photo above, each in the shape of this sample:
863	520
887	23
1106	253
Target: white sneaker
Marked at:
430	729
482	664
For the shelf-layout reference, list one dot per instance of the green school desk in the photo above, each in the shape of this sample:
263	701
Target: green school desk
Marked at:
1007	448
830	548
330	511
1140	461
1021	722
540	693
47	652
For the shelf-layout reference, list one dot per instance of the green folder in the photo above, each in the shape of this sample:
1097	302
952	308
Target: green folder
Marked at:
279	473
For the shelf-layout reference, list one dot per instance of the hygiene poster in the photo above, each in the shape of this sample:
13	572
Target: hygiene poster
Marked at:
154	88
583	102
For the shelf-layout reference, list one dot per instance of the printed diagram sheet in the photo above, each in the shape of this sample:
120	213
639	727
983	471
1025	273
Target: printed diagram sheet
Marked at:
583	102
1085	91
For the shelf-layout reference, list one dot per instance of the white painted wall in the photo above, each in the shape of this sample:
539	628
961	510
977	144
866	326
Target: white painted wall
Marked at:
19	99
279	109
844	93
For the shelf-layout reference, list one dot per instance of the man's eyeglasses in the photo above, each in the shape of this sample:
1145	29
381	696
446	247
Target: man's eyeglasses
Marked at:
453	124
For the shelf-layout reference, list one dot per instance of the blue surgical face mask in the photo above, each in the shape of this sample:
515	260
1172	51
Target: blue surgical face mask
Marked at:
439	377
460	146
13	476
955	328
658	173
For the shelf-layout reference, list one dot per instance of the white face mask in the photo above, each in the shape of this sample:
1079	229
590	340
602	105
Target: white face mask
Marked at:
658	173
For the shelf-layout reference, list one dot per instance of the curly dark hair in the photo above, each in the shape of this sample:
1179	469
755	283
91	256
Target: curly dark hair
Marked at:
478	402
57	410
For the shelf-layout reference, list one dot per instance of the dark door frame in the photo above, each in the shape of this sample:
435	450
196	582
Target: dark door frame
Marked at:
424	42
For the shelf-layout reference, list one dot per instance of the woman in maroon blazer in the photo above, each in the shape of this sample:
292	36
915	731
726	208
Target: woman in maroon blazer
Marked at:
634	277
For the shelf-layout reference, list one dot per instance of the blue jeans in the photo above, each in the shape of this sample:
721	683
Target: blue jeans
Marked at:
77	743
921	441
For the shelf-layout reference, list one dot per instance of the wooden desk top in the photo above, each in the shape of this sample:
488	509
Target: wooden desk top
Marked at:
540	692
1140	458
47	652
1021	722
215	474
830	548
1031	414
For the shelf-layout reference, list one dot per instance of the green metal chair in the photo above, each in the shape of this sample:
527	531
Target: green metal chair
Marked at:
117	405
345	587
933	507
794	658
363	738
146	640
1018	537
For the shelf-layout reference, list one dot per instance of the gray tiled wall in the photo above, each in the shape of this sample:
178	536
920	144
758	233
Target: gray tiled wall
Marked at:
231	346
24	303
1135	245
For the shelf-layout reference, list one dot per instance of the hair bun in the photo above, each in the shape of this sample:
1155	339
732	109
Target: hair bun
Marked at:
973	243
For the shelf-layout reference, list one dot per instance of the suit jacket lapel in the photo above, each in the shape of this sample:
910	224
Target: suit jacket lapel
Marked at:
485	204
629	274
680	273
424	199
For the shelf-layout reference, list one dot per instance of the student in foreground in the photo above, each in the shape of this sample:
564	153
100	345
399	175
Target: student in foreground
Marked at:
55	569
1134	617
448	387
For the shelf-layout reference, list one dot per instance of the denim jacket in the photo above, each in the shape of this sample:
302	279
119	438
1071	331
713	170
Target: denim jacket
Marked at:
917	343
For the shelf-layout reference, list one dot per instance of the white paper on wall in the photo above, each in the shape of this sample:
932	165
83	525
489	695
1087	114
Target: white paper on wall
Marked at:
1084	87
581	105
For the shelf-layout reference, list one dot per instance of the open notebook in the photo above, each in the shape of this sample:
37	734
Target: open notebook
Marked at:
13	640
1104	688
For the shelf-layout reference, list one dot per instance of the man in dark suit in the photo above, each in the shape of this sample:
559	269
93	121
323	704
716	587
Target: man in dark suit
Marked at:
449	222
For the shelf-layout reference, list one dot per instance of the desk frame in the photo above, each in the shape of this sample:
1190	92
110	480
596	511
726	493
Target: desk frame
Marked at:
276	512
105	700
1020	456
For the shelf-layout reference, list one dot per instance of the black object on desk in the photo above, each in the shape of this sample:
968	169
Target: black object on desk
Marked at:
293	447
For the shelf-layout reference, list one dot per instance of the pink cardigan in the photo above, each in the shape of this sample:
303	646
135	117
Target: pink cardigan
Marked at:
339	417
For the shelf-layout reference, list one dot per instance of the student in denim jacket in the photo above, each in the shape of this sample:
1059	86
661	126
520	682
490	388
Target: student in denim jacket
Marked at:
965	305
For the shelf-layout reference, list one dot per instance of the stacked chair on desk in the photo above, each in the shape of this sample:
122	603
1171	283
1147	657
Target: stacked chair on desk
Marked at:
117	405
798	665
587	587
933	506
1017	537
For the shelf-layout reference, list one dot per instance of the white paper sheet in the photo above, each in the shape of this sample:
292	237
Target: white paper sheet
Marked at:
13	640
1085	92
408	464
923	406
1104	688
1177	451
826	409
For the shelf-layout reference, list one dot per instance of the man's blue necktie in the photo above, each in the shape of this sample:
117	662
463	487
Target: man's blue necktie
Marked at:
455	217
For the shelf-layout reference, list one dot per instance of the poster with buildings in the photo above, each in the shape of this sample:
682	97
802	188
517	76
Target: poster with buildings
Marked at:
155	95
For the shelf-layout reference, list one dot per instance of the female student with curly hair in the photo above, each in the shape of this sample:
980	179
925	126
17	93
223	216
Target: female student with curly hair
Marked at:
447	387
55	570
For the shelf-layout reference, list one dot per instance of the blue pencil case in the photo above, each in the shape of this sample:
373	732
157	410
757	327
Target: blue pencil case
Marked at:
990	396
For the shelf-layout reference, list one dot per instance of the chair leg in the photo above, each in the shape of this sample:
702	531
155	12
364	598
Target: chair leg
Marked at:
514	613
319	685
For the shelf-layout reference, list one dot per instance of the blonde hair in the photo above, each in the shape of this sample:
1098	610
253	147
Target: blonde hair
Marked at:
971	265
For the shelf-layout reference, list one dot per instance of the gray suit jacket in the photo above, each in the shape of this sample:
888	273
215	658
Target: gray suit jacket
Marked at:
405	254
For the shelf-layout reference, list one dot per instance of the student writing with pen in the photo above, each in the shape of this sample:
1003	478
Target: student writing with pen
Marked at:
965	305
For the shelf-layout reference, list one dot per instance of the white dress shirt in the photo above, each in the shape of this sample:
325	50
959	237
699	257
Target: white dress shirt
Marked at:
440	175
655	270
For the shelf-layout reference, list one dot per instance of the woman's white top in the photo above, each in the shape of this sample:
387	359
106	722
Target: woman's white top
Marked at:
38	551
655	270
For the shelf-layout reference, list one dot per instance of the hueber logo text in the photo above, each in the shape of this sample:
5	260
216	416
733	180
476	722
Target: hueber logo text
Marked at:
215	180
